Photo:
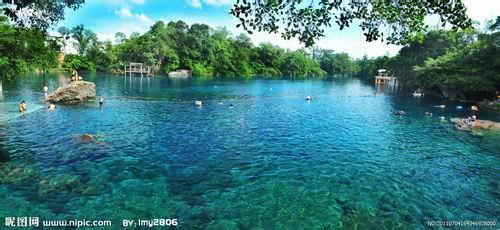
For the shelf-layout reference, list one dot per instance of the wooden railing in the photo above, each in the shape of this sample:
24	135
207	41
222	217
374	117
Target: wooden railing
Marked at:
137	68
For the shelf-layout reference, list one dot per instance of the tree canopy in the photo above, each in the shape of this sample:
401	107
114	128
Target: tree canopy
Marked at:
307	20
24	50
38	14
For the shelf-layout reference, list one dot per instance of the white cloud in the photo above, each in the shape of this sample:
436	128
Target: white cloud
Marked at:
482	10
143	18
138	2
123	2
139	22
124	12
218	3
194	3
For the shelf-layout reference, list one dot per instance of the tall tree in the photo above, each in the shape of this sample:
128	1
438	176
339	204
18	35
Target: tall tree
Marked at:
64	36
120	37
83	37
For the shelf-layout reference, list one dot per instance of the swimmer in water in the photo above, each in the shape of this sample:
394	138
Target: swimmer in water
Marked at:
22	106
399	113
52	107
231	106
220	102
101	101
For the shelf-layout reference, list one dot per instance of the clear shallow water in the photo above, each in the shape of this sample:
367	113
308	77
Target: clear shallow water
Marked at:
274	161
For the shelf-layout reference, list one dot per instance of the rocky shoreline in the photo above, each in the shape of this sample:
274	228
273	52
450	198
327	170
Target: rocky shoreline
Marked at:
461	124
490	105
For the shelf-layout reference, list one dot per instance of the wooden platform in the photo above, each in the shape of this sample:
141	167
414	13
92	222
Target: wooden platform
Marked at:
137	68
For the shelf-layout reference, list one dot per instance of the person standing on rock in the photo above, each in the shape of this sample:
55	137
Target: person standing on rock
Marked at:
74	76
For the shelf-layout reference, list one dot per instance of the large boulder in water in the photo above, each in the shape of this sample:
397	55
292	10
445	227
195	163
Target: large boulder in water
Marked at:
74	91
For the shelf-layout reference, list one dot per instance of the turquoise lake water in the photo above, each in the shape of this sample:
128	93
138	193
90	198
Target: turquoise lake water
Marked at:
275	161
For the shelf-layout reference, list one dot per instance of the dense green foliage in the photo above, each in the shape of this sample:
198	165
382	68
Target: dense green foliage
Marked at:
167	47
199	48
470	72
79	63
338	64
24	50
401	21
453	64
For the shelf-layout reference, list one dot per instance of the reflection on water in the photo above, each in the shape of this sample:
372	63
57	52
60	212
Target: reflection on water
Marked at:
276	161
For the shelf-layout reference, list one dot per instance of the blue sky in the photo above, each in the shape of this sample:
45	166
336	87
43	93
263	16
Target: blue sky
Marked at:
106	17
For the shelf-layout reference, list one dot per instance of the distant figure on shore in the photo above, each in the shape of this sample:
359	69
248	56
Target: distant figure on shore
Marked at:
101	101
22	106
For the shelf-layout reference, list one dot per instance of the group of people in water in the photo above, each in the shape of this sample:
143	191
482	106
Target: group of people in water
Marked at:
231	106
469	121
462	122
52	107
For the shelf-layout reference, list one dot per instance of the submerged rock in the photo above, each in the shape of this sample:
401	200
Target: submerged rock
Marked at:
87	137
4	157
57	184
74	91
490	105
13	174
